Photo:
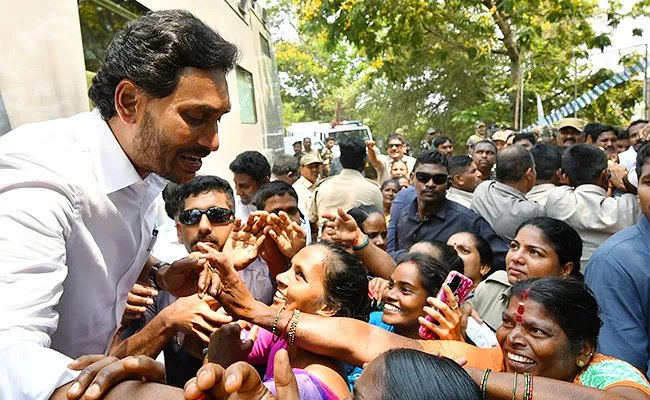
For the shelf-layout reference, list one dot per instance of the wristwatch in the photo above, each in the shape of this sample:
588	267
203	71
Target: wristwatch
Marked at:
153	273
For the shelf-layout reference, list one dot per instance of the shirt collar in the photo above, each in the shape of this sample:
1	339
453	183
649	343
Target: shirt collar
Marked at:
351	172
441	212
590	188
509	189
114	168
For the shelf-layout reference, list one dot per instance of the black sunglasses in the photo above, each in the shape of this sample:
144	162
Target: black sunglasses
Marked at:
216	215
438	179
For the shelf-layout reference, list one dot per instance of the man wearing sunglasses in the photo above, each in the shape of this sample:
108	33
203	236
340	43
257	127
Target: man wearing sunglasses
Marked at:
424	212
396	149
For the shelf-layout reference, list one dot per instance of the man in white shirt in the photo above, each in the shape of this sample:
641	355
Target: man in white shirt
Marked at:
464	177
76	200
503	203
396	148
251	171
628	157
548	165
584	203
310	170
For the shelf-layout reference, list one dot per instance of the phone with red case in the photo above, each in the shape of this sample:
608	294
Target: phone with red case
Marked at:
460	285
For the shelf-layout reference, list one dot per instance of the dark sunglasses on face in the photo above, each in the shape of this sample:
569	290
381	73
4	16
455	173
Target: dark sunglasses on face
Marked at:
438	179
396	145
216	215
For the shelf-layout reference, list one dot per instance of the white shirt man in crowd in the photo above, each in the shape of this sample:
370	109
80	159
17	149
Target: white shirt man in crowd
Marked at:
464	177
584	203
77	200
396	148
251	171
628	157
310	169
548	166
503	203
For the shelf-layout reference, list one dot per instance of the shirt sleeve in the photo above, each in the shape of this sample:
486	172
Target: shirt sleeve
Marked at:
35	225
498	245
395	211
623	334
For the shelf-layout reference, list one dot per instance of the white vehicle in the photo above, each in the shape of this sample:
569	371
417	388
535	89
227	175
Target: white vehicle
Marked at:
318	133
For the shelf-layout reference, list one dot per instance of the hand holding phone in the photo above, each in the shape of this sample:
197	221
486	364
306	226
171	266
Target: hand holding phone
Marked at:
460	286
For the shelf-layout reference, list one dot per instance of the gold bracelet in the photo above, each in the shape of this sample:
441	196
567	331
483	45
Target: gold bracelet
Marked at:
293	325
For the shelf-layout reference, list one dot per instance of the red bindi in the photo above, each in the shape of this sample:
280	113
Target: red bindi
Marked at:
520	312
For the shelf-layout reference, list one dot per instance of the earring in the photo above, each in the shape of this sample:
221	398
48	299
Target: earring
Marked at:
581	364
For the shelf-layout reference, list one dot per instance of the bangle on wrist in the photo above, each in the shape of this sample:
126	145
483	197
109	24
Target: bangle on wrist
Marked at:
362	245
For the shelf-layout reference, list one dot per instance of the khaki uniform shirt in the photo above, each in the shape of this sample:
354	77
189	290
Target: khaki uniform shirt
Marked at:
595	216
346	190
383	172
504	207
304	189
539	193
460	196
490	298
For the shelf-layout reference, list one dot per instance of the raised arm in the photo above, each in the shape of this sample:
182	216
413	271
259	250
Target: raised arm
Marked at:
372	155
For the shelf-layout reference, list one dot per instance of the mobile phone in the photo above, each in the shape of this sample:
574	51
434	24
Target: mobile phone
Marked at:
460	285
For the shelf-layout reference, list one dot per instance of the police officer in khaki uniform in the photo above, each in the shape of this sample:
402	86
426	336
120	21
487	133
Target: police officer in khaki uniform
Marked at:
347	190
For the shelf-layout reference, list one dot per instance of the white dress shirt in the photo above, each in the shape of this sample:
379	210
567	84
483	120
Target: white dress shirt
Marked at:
460	196
628	158
242	211
539	193
76	229
595	216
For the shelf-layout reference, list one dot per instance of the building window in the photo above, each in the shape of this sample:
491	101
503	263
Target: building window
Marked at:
246	92
266	49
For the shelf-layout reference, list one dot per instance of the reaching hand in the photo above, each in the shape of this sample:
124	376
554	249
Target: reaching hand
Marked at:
183	277
341	227
243	244
288	235
194	316
227	287
100	373
447	315
370	144
226	347
241	381
139	298
617	175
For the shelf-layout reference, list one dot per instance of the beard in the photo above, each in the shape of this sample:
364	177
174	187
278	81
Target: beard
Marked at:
151	148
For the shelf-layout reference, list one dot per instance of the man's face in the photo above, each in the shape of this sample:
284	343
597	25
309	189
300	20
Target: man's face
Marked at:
608	141
471	178
635	133
446	148
524	143
215	234
174	133
245	187
396	149
329	144
644	189
568	136
484	156
481	130
297	148
307	144
285	203
623	145
429	192
500	144
311	171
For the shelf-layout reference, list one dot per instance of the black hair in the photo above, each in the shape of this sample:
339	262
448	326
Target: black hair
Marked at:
444	254
569	302
598	129
491	143
637	122
394	181
396	136
275	188
171	196
642	158
361	213
153	50
512	163
431	157
565	241
204	184
253	164
525	136
353	153
297	142
284	164
548	160
432	271
583	163
441	140
623	134
346	284
410	374
329	138
458	164
305	139
486	255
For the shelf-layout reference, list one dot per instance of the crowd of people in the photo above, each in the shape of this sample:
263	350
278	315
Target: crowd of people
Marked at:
310	279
